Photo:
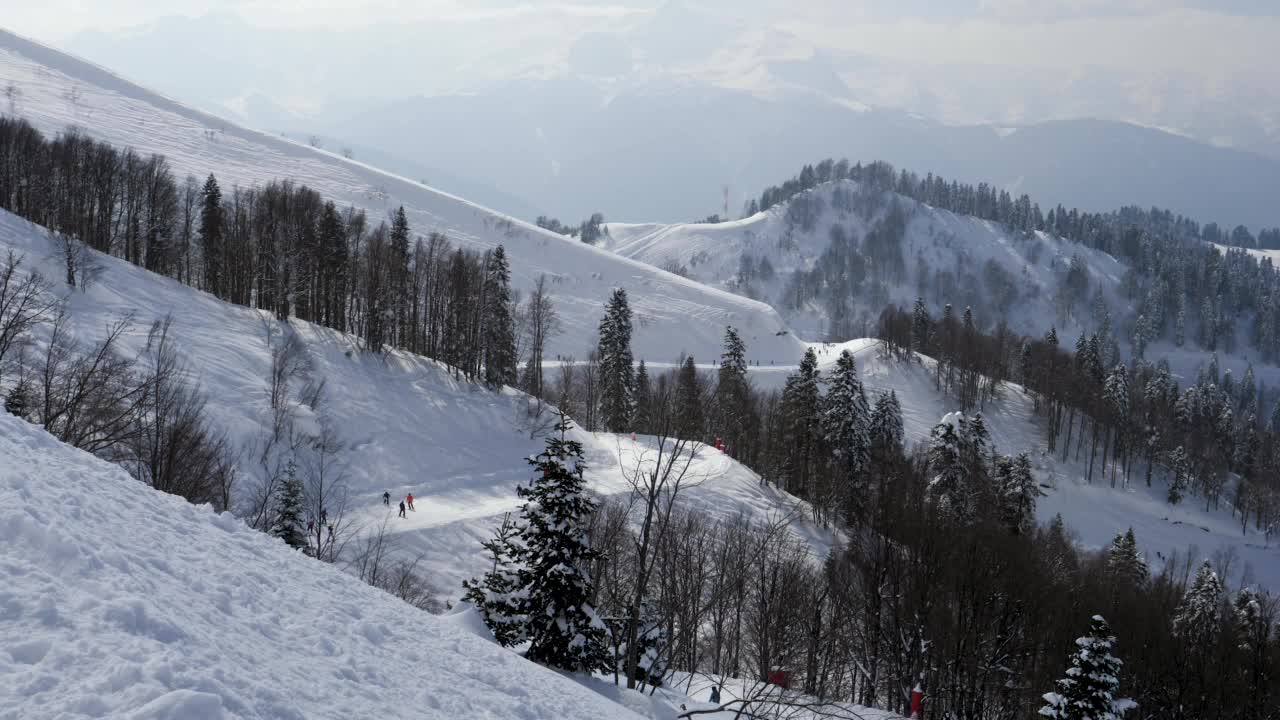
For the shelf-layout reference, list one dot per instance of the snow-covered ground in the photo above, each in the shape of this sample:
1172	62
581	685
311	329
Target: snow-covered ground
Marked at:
56	91
120	601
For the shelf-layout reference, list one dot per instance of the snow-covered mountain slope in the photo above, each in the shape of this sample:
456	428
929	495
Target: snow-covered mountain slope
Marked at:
405	423
673	314
995	271
120	601
1096	512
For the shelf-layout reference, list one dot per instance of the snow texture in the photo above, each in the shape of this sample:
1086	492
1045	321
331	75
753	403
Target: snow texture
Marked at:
119	601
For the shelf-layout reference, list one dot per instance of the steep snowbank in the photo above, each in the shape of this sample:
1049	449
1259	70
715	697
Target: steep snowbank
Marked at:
120	601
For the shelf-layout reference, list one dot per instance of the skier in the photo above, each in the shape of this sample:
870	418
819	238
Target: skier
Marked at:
715	694
386	499
401	508
410	500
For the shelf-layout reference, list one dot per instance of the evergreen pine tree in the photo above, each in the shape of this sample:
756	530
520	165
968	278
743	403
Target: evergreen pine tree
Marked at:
1125	562
18	402
846	427
1088	692
801	417
921	324
689	420
1196	620
1018	493
288	524
617	374
563	628
212	240
733	392
1180	464
949	487
643	420
499	328
498	596
398	276
886	421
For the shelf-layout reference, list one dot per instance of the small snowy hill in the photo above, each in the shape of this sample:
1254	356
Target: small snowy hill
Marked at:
1096	512
55	91
120	601
405	423
979	262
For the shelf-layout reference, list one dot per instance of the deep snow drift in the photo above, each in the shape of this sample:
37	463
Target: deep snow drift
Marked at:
120	601
673	314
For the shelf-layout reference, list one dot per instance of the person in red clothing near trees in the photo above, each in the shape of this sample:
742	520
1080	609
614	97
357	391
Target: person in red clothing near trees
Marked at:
410	501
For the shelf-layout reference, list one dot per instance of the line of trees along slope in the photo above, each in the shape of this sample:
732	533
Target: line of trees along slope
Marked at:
280	247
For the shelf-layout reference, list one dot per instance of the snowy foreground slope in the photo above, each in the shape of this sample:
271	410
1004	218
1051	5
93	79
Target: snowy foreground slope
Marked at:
120	601
56	91
406	425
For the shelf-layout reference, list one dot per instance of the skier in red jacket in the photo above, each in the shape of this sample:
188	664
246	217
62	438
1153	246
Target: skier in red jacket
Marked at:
410	501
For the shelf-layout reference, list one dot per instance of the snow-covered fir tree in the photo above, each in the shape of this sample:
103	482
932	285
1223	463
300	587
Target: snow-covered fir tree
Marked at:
1088	692
617	374
949	486
846	426
689	419
1181	474
1125	562
18	401
642	421
563	628
802	419
1196	619
1018	493
886	421
499	328
287	524
920	327
498	595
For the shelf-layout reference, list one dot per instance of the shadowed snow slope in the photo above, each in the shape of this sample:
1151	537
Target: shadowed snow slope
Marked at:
119	601
673	314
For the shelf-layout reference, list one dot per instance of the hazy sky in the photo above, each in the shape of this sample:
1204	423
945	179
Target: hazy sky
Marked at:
1217	37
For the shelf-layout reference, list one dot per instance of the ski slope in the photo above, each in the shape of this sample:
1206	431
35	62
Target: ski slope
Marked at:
55	91
120	601
405	423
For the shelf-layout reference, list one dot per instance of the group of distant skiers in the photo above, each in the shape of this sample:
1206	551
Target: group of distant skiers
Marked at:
324	520
406	503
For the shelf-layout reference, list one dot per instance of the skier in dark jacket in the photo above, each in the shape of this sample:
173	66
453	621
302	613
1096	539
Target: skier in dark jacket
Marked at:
401	508
386	499
715	694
